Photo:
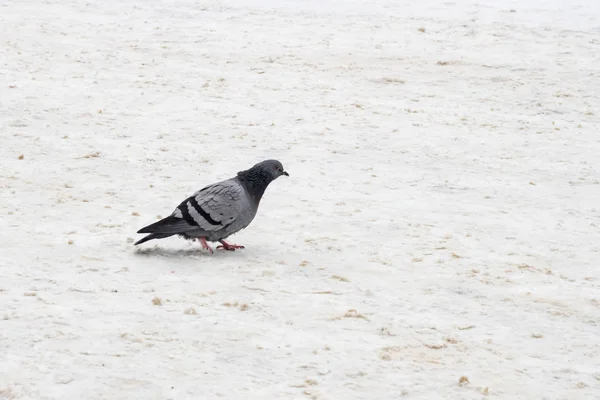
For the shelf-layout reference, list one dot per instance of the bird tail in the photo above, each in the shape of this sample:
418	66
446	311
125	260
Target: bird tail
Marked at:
152	236
166	227
159	226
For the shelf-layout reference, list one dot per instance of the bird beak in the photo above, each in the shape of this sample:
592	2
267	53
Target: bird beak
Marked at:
285	173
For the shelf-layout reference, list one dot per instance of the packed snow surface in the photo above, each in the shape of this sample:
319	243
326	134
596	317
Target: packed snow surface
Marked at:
438	236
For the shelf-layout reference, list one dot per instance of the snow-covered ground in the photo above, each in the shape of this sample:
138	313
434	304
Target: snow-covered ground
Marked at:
439	235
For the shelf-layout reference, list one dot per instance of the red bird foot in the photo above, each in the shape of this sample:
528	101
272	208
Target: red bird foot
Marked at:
228	246
205	245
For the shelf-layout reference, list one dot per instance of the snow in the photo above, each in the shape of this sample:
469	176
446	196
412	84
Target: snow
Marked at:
441	218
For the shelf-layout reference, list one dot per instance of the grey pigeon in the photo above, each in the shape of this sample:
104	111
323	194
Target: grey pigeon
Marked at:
219	210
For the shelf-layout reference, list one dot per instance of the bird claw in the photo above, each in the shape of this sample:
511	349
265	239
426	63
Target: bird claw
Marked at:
205	245
229	247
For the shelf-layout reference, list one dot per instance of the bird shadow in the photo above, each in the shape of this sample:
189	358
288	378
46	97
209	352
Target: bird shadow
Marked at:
178	253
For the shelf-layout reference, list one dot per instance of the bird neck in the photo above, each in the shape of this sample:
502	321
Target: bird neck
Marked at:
256	182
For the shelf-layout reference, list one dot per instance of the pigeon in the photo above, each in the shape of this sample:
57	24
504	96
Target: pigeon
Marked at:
219	210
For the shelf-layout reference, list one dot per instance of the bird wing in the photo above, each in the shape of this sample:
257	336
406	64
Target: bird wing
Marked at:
212	208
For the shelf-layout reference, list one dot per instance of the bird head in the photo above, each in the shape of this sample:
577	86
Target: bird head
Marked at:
273	167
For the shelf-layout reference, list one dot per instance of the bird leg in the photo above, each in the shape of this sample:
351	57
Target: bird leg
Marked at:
204	244
228	246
